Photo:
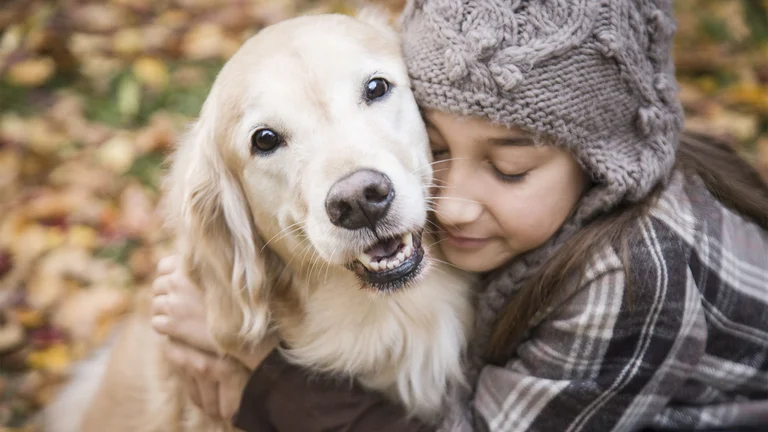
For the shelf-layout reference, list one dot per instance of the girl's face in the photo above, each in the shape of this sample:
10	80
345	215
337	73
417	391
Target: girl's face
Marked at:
497	194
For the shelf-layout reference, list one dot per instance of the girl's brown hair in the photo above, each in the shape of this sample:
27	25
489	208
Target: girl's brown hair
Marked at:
728	177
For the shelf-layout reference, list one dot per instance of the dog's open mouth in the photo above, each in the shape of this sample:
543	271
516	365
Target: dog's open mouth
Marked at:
390	263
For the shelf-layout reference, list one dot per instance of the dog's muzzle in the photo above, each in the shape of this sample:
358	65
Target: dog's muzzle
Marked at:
361	200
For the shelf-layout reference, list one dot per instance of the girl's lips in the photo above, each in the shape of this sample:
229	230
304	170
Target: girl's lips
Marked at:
465	242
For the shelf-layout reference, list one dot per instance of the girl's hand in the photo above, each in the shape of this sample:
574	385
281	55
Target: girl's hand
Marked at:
178	312
178	309
214	383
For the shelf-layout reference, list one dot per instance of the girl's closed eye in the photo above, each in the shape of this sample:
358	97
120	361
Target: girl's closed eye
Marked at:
508	177
439	154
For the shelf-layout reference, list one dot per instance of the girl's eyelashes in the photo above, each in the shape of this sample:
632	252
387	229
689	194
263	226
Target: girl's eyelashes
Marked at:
507	178
439	153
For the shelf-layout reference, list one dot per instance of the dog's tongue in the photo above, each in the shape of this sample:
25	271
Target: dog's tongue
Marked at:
383	249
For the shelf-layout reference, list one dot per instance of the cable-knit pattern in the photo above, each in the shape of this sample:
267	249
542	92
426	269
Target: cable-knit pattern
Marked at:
595	76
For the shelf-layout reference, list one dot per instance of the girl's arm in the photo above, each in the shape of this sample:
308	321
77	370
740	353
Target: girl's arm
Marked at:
283	397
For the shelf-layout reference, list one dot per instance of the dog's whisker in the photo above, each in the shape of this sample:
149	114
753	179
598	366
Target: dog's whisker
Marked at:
328	265
435	163
274	237
457	199
446	263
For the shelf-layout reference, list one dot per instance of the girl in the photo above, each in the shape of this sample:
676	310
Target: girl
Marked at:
626	267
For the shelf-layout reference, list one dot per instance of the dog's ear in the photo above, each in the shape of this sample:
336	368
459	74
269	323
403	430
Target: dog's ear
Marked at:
377	16
219	245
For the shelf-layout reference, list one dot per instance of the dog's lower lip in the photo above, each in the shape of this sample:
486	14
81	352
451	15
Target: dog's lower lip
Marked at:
392	279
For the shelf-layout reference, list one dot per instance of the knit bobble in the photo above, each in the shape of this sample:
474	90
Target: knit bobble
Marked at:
483	41
661	27
650	120
609	43
666	89
456	64
507	76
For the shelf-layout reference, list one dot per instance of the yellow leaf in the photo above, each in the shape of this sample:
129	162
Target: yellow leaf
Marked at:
54	237
151	71
117	154
128	42
11	335
32	72
55	359
30	318
82	236
203	41
43	138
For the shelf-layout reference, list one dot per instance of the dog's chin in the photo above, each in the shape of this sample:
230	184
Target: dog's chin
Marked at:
391	264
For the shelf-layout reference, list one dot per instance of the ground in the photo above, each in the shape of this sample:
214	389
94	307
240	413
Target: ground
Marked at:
94	94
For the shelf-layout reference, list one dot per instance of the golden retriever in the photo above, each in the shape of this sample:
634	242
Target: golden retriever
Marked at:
311	140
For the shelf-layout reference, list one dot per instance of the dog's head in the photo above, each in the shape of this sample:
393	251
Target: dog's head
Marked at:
310	140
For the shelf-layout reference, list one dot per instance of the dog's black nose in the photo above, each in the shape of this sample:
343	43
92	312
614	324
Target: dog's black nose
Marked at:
360	199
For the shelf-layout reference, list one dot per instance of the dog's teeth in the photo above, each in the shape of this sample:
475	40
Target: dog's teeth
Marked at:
401	257
365	259
374	266
408	240
407	251
393	264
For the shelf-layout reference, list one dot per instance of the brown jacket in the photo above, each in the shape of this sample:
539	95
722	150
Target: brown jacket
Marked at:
281	397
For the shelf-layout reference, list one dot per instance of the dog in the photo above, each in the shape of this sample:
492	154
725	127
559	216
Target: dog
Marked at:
300	199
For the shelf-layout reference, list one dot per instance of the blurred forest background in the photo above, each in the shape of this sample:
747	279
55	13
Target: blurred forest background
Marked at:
94	93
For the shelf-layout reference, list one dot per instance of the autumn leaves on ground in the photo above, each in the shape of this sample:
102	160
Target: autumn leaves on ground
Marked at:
93	95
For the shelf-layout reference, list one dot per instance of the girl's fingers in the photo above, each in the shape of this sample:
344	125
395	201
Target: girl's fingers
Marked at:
231	389
161	324
168	264
208	389
160	304
161	285
190	386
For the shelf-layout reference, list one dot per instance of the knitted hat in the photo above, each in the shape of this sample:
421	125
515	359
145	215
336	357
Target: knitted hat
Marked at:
596	76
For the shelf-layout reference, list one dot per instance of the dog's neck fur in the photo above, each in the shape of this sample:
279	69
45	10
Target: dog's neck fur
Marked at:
407	344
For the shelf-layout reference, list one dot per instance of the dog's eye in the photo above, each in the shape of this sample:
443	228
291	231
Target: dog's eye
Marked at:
376	88
265	141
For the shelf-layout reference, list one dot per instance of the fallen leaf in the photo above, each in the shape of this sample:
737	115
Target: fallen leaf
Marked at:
30	318
6	262
151	71
32	72
128	42
83	236
83	312
117	154
55	359
137	214
159	135
204	41
128	98
55	273
43	138
11	335
188	76
100	17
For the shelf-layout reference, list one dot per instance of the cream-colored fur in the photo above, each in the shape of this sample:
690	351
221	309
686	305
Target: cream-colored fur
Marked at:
304	78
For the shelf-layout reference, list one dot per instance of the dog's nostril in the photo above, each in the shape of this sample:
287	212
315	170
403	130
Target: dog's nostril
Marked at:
359	200
377	192
339	211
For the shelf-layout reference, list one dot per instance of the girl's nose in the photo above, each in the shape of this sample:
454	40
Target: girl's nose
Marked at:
455	203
